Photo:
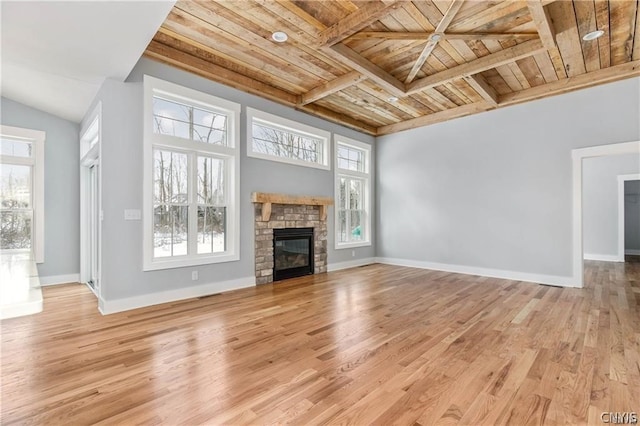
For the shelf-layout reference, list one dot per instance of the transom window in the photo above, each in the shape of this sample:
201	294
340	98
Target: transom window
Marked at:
192	177
353	193
278	139
22	191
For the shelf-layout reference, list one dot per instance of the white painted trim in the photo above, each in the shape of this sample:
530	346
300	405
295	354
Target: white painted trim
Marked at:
285	124
367	177
107	307
577	156
37	137
602	257
621	180
351	264
632	252
231	154
483	272
59	279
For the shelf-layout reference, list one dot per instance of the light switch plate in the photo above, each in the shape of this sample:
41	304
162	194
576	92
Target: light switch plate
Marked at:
132	215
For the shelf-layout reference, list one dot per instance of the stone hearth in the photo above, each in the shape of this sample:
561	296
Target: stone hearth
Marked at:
288	216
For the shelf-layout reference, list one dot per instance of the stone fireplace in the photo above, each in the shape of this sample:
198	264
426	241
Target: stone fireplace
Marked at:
282	212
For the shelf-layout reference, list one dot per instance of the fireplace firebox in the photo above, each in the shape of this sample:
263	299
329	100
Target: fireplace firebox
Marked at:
292	253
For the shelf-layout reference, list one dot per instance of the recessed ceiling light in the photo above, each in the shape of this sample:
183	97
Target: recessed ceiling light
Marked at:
279	36
393	99
593	35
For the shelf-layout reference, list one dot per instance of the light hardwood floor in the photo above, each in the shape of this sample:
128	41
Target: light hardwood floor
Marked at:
377	344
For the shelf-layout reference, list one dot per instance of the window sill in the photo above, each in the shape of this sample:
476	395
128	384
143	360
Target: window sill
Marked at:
157	265
353	245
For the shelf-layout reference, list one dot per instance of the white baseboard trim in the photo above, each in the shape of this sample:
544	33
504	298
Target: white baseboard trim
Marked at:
632	252
350	264
107	307
59	279
484	272
602	257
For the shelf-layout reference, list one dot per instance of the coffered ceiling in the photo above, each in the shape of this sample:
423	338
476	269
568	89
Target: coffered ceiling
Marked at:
385	66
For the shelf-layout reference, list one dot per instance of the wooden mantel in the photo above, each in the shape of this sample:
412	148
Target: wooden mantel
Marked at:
266	199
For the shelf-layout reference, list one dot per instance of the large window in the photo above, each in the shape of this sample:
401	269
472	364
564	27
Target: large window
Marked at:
22	191
353	193
191	177
278	139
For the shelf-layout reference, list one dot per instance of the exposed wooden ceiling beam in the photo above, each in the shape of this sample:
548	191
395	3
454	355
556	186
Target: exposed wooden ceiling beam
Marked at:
435	38
437	117
594	78
543	23
493	60
342	82
338	118
369	69
393	35
483	88
366	14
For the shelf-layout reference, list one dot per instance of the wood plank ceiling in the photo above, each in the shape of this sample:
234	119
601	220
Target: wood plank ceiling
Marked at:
386	66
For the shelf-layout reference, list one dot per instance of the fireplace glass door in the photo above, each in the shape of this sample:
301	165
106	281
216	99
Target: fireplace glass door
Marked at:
292	252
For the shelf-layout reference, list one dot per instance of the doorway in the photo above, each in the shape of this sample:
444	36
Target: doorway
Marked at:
628	215
91	206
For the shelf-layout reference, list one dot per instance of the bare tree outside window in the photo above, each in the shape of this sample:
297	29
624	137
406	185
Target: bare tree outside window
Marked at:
280	143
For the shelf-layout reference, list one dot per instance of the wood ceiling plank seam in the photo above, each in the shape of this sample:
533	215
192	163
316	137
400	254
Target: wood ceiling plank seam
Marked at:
392	107
405	104
384	79
479	48
444	57
301	40
602	76
519	75
432	42
636	38
335	85
542	20
483	90
340	106
622	17
219	21
493	60
467	93
530	69
399	60
430	11
567	37
422	104
170	38
463	49
485	19
546	66
354	22
388	49
291	12
217	73
496	81
505	71
384	115
440	99
453	53
558	63
254	62
418	17
342	119
451	93
406	20
586	18
437	117
604	42
319	10
474	8
233	57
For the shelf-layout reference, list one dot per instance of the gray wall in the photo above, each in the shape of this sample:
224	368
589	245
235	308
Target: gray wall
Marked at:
632	216
61	185
600	202
494	190
122	274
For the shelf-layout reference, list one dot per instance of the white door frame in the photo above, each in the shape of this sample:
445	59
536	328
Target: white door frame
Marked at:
621	180
577	156
90	153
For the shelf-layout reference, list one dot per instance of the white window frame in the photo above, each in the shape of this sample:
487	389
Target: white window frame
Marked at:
36	161
230	153
284	124
366	177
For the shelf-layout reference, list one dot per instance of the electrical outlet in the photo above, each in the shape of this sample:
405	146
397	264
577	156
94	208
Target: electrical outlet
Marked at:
194	275
353	253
